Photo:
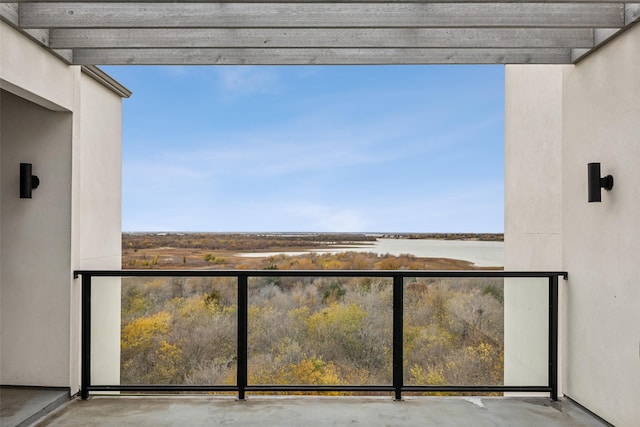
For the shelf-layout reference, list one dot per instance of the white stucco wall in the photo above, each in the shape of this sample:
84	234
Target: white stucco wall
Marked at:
45	81
69	126
599	102
35	275
533	219
99	220
601	241
100	168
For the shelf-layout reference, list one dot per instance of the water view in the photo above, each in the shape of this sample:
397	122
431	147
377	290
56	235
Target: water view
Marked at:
481	253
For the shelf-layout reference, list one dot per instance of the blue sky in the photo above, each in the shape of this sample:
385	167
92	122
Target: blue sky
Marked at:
379	149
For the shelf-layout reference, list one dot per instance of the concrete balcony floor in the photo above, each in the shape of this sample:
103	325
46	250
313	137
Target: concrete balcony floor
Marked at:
319	411
22	406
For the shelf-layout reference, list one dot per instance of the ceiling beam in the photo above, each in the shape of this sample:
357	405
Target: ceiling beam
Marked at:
320	31
310	1
319	15
9	13
318	56
631	13
327	37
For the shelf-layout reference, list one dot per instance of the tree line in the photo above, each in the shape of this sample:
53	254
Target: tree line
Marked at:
240	241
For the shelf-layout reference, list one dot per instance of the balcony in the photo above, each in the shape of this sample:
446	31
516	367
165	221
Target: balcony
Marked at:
400	401
558	119
237	403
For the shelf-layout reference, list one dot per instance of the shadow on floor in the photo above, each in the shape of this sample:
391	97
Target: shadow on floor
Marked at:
21	406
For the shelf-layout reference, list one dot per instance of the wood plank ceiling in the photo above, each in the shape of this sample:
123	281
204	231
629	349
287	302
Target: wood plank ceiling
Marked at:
320	32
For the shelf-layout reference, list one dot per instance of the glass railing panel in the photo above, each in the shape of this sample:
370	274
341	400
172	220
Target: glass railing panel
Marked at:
177	330
320	331
453	331
105	330
526	331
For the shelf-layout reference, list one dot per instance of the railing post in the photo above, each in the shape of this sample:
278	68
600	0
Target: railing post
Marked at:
85	373
398	335
553	336
243	320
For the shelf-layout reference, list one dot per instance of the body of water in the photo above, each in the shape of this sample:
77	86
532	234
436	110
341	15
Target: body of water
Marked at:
482	254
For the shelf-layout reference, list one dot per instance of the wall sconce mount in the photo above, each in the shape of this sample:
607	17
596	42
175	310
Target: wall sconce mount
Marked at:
28	181
596	182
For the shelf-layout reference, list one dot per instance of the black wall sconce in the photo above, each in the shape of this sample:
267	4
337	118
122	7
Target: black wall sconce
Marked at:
28	181
596	182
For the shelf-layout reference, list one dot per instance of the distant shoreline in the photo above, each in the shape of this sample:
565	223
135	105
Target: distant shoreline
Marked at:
346	236
243	250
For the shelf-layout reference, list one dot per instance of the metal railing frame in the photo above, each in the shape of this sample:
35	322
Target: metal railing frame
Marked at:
397	276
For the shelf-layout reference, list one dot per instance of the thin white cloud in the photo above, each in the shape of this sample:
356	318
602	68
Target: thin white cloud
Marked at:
243	80
278	152
306	146
309	159
324	217
176	70
468	208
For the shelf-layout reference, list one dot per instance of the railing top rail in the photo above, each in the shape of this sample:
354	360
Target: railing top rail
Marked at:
320	273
